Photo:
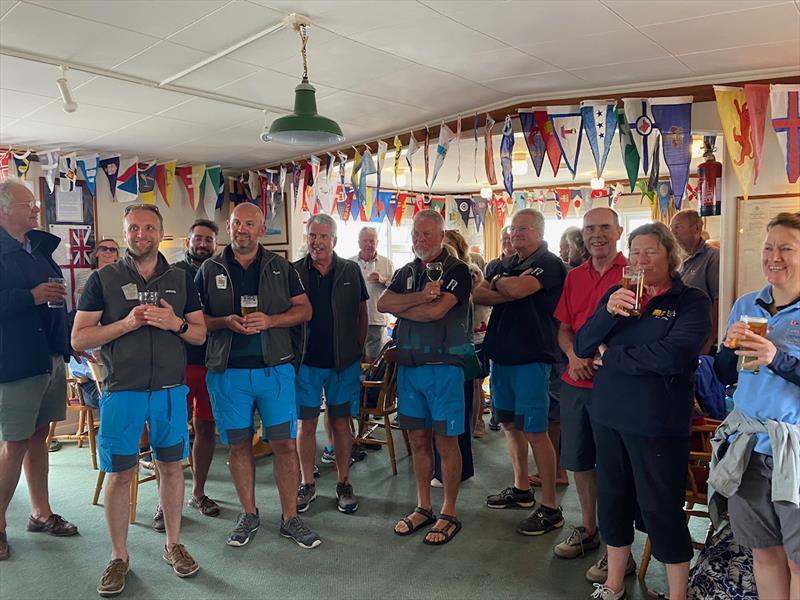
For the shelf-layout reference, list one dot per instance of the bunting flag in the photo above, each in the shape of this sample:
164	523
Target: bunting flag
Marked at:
563	201
642	124
391	212
663	193
642	186
367	168
211	187
465	208
235	184
488	151
110	166
325	186
263	192
438	203
354	176
499	210
615	195
458	148
297	175
274	194
365	213
475	147
600	124
308	181
567	124
68	172
786	123
127	180
542	120
22	162
253	183
88	164
382	205
311	185
402	200
413	147
630	154
576	197
5	160
673	116
398	149
446	136
185	176
655	169
757	97
146	172
282	172
340	199
479	208
426	154
506	150
48	163
350	194
735	118
383	148
598	195
419	203
534	139
165	178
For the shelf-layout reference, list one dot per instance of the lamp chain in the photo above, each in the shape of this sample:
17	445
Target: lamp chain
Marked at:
304	40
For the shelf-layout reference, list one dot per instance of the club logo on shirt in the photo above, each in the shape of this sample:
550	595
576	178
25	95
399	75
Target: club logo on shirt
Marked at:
664	315
537	271
222	282
130	291
451	285
410	282
170	292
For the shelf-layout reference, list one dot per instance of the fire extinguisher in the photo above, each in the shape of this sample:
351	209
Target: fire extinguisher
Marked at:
709	175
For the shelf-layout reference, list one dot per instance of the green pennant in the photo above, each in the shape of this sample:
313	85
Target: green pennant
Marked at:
641	185
630	154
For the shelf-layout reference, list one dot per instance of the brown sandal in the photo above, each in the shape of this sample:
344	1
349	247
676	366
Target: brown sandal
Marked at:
430	518
449	531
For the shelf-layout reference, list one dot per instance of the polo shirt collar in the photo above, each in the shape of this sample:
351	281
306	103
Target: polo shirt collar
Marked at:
161	263
765	299
619	260
231	258
701	249
441	258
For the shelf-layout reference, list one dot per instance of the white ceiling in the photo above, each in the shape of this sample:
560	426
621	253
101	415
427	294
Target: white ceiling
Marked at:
378	67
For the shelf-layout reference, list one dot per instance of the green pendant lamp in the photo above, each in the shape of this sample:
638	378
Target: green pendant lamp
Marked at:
304	127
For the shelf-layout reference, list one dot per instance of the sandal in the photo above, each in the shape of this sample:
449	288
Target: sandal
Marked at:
449	531
411	528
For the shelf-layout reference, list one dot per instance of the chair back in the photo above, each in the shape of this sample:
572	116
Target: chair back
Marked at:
700	460
386	387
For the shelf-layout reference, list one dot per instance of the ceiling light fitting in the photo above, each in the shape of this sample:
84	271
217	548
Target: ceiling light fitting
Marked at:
68	103
304	127
486	192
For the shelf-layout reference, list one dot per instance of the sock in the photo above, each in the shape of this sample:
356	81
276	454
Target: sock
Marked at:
519	491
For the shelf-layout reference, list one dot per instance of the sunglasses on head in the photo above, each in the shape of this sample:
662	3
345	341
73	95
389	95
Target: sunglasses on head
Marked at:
132	207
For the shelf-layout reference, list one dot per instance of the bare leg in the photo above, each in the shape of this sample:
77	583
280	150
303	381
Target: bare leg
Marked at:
342	446
545	457
518	451
117	508
202	455
586	485
421	441
170	494
285	469
12	455
617	561
451	478
678	578
794	588
773	577
35	464
243	473
307	447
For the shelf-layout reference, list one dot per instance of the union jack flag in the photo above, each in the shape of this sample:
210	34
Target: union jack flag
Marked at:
79	248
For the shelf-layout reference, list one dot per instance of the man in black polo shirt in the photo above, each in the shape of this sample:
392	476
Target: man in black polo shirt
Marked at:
332	363
522	345
250	364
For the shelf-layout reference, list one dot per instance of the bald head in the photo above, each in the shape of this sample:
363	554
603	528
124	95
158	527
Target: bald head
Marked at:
246	226
687	227
601	232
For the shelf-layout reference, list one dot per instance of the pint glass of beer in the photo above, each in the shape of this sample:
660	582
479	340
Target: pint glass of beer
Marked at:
757	325
633	279
149	297
249	305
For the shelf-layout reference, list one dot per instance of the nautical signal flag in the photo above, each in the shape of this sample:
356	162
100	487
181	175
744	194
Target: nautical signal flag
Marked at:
600	124
48	162
147	182
88	165
506	152
68	172
786	123
673	116
165	178
567	124
22	162
735	118
128	180
643	128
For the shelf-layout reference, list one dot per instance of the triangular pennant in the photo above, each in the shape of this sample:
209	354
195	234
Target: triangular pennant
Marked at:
5	161
381	205
48	163
297	176
630	153
534	139
488	151
567	127
438	203
367	168
465	208
398	149
147	182
88	165
110	166
383	147
211	190
786	123
446	136
310	192
663	193
426	154
655	167
68	172
640	120
128	180
506	151
735	119
673	117
499	210
479	208
253	184
22	162
354	175
413	147
458	148
757	96
563	200
165	178
600	124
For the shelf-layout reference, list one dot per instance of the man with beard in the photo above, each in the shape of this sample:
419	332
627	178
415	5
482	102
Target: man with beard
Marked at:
430	297
200	245
332	362
140	311
250	365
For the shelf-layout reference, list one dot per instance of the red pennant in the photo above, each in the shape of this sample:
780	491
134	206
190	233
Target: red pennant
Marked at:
348	205
401	205
757	97
185	175
499	210
563	202
541	121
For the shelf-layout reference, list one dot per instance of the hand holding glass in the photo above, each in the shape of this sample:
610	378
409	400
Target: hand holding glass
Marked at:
149	298
434	271
60	281
757	325
249	304
633	280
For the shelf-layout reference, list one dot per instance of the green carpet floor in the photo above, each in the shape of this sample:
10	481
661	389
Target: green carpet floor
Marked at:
360	557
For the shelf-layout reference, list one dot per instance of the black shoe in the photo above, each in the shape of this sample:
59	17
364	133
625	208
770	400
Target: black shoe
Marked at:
306	494
316	472
510	498
246	526
345	501
358	454
295	530
541	521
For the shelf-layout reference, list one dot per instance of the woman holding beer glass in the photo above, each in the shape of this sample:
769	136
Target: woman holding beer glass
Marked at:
758	472
642	406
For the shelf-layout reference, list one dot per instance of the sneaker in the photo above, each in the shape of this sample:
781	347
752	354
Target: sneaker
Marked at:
295	529
598	572
5	549
54	446
54	525
112	581
480	429
601	592
541	521
158	520
328	457
358	454
205	505
436	483
509	498
346	502
578	543
316	472
246	525
182	562
305	496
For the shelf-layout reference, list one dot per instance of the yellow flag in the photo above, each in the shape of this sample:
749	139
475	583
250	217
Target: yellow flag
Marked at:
398	148
356	168
369	200
165	177
732	108
198	175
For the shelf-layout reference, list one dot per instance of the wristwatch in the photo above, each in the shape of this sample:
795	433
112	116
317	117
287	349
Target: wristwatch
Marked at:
183	328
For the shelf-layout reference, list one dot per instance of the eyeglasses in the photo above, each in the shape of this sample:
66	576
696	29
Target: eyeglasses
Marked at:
513	229
108	249
31	205
131	207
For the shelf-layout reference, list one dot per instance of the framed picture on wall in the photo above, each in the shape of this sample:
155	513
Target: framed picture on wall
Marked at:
277	232
284	252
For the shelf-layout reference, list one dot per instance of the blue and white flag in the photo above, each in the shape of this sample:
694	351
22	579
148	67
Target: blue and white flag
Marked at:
446	136
600	125
534	139
673	117
88	165
48	162
68	172
643	125
506	149
567	123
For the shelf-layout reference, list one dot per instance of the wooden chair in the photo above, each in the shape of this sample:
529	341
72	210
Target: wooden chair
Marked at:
86	422
696	484
386	405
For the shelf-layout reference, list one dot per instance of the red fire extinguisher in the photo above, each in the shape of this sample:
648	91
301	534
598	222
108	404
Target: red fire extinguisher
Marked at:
709	175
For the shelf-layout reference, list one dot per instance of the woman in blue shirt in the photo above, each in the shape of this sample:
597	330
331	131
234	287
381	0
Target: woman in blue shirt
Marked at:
764	510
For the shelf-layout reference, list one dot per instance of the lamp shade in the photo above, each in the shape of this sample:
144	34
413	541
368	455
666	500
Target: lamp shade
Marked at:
304	127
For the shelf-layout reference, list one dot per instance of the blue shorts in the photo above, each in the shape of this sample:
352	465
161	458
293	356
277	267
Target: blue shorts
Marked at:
342	391
122	419
236	393
520	395
431	397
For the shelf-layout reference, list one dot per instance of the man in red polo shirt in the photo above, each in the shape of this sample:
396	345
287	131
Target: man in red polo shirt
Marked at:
583	288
